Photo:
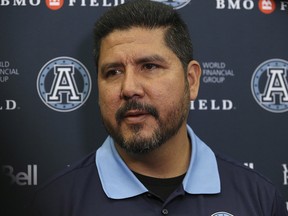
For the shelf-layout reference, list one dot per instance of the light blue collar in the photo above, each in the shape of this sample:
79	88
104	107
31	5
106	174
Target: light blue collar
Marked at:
119	182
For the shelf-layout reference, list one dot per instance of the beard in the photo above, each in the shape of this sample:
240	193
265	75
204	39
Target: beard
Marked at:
165	128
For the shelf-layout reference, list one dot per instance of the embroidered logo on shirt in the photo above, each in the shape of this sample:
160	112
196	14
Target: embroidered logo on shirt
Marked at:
221	214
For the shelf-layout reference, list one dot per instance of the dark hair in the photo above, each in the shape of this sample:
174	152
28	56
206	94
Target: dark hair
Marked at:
147	14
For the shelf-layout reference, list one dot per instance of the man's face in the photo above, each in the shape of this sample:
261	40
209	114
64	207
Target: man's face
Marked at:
144	94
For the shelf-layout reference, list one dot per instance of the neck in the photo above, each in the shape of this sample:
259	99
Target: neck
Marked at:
171	159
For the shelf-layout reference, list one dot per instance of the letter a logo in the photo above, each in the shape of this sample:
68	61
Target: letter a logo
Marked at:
269	85
276	85
64	84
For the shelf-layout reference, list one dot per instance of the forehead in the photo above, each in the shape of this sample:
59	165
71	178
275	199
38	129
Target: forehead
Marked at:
130	33
134	40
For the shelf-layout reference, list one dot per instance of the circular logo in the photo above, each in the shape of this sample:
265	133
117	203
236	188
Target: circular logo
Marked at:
64	84
267	6
176	4
269	85
54	4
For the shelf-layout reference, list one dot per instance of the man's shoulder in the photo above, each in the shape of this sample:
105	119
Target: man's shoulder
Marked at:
238	180
230	169
84	168
78	183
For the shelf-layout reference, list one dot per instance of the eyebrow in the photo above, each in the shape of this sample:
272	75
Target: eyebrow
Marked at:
141	60
153	58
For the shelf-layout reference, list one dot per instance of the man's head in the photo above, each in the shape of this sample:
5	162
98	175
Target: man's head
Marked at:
144	90
150	15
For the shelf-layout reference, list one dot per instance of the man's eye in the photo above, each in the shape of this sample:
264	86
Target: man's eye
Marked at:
111	73
150	66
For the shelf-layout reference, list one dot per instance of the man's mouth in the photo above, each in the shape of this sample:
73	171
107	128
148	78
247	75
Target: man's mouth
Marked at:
135	116
135	112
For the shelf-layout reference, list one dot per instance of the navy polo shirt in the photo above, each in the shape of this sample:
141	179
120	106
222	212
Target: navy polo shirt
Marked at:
101	184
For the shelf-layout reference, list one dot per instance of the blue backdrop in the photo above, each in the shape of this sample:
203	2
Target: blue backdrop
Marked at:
241	110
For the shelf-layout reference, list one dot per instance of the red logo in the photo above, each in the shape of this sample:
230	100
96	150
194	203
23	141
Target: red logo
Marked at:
267	6
54	4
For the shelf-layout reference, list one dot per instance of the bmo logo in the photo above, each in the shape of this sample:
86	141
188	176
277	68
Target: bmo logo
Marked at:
54	4
267	6
29	177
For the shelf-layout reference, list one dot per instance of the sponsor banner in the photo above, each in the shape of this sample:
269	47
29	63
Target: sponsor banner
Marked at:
29	176
265	6
58	4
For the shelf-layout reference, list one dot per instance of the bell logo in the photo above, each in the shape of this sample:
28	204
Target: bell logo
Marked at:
54	4
21	178
267	6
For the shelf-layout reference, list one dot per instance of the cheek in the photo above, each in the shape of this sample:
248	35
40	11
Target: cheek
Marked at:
169	91
168	96
108	103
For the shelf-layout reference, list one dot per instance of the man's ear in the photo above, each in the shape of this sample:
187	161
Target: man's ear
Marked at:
193	76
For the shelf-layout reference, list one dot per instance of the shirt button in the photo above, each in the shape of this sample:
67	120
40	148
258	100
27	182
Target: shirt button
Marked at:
165	211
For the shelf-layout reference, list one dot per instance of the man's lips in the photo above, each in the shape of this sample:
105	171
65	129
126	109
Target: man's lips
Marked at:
135	116
134	112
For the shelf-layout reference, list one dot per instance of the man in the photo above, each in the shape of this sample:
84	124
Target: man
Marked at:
152	163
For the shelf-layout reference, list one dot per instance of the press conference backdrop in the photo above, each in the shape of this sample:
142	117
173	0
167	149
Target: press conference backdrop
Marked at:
46	52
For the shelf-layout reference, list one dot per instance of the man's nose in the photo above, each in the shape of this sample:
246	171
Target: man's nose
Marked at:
131	85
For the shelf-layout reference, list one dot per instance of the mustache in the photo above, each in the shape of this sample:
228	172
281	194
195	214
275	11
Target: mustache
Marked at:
135	105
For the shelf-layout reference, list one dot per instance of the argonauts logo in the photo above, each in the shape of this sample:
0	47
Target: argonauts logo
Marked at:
176	4
64	84
269	85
